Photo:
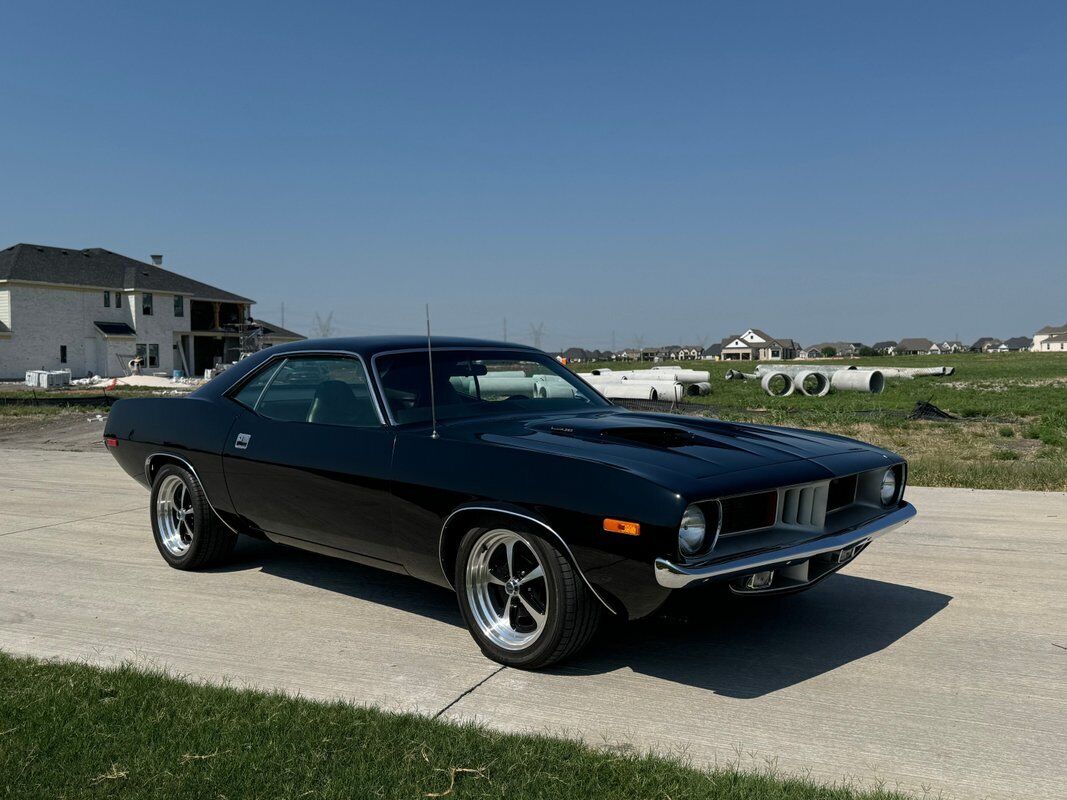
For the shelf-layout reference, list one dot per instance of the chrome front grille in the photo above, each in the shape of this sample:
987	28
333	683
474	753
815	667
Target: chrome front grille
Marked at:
804	506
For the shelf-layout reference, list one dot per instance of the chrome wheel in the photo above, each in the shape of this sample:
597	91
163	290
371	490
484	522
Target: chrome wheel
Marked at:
174	515
507	590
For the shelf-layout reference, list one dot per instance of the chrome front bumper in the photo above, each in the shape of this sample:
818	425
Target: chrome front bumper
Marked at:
675	576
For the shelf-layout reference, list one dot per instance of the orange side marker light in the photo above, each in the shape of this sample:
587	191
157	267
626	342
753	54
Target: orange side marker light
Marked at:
623	527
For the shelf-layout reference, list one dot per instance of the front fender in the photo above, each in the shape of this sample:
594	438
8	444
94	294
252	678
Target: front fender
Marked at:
457	523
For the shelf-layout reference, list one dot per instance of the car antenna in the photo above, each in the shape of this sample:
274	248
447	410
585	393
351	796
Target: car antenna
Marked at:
429	354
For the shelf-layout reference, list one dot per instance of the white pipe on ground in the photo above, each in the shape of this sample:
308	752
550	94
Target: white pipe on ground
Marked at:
869	380
553	389
653	375
642	390
698	389
772	380
684	375
793	369
812	384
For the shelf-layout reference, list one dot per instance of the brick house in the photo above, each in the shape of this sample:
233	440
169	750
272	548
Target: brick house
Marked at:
93	310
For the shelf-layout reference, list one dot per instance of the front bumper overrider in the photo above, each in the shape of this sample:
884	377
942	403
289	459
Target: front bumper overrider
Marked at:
677	576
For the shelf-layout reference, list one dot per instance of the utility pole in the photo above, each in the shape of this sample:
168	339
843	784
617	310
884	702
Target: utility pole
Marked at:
505	329
283	315
537	334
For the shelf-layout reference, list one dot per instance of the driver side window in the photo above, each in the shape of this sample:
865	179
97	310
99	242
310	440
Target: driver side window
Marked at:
321	390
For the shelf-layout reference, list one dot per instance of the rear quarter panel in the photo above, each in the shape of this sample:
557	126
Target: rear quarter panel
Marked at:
192	428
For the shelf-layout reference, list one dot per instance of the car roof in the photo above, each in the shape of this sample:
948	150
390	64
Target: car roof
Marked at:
364	346
369	345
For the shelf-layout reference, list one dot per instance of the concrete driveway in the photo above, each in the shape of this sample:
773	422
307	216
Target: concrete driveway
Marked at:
937	662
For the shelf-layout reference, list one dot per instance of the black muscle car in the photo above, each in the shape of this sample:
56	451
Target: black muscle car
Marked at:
491	469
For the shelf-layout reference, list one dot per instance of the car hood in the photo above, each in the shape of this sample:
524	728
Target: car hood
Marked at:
661	443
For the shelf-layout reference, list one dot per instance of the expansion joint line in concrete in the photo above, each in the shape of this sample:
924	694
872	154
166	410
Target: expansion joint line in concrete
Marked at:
463	694
71	521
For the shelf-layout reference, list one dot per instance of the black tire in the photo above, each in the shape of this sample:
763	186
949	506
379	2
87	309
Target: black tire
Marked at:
207	541
573	613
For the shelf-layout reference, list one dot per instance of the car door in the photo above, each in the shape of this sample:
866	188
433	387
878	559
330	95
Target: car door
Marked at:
309	457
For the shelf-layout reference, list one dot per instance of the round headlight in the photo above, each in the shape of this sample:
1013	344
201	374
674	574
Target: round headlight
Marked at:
889	487
691	531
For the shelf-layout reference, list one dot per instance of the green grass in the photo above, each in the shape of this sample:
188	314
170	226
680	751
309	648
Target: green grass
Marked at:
72	731
15	399
1013	409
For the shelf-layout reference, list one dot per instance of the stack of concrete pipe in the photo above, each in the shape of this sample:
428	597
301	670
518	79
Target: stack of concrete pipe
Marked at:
827	369
816	380
656	383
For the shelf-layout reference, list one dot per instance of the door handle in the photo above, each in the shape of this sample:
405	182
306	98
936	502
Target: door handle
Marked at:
242	441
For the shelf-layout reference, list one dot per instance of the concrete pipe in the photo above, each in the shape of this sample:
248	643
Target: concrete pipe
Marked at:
777	384
683	375
738	375
793	369
911	372
551	389
640	390
698	389
628	390
869	380
494	385
671	392
812	384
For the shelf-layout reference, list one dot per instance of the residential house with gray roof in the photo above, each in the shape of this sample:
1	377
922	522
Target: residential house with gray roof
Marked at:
757	345
1044	334
93	310
914	347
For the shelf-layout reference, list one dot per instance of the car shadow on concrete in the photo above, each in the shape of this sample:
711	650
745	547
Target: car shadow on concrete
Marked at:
736	647
346	577
749	647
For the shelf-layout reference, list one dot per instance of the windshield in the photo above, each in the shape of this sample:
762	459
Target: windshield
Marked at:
479	383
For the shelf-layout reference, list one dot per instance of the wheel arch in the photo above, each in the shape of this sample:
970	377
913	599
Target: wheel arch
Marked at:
461	520
156	461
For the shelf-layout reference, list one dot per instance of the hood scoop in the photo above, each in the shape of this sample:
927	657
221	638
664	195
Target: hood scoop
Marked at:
653	436
662	437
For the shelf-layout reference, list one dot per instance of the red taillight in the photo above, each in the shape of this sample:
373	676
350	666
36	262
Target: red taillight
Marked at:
111	441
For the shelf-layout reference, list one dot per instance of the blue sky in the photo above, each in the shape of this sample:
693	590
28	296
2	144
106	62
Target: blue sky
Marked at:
675	171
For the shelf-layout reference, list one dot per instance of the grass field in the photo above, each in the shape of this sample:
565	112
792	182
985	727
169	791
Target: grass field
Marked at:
72	731
1013	408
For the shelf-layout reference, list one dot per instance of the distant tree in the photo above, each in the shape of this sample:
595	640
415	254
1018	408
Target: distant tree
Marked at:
867	352
829	352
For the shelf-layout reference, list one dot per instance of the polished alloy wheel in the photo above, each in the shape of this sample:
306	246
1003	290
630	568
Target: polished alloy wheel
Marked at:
507	590
174	515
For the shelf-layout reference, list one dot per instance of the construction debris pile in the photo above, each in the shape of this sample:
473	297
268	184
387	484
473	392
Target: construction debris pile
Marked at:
818	380
656	383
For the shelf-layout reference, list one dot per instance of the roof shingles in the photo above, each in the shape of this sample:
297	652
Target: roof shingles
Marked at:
96	267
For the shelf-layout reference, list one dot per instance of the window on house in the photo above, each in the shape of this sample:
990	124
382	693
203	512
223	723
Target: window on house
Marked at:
62	354
179	306
107	299
118	300
149	354
146	304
